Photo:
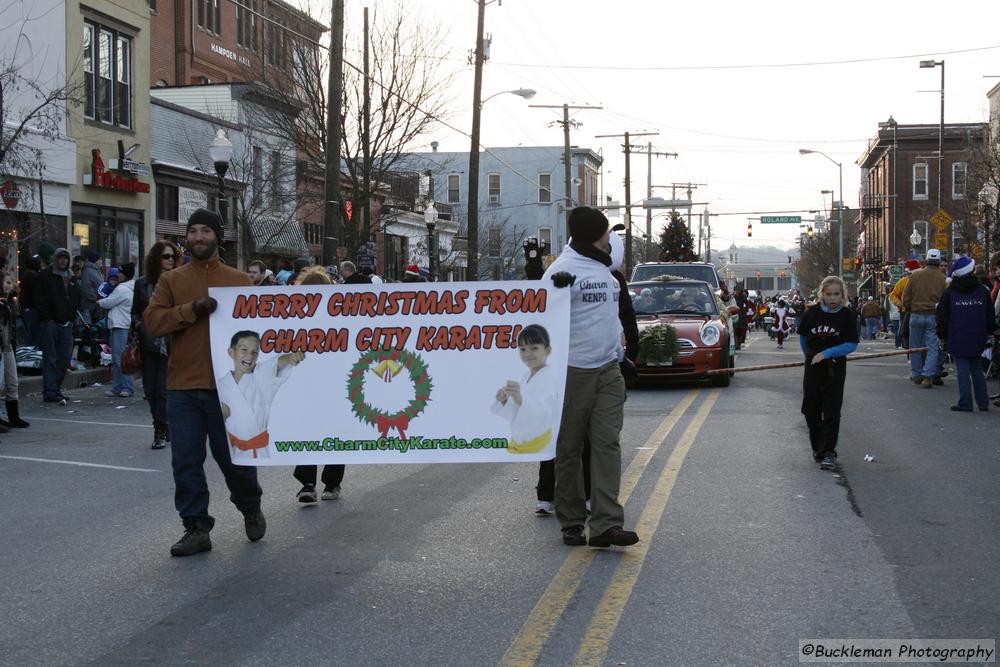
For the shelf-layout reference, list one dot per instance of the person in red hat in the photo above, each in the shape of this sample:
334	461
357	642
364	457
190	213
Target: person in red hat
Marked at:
412	274
896	296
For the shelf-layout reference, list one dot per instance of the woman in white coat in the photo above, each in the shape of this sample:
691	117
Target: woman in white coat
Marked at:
119	305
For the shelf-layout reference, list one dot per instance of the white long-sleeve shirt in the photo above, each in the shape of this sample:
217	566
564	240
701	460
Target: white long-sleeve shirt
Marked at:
249	401
594	328
119	305
537	415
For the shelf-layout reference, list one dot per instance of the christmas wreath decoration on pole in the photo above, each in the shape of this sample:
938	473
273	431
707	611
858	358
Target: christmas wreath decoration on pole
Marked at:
388	364
658	344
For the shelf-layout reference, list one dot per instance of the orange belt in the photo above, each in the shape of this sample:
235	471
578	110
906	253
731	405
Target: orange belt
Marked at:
251	445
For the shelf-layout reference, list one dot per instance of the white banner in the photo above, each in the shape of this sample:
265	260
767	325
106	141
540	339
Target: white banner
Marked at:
400	373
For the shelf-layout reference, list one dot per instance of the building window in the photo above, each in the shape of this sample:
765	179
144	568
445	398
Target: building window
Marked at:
920	226
454	196
544	188
545	239
920	180
277	45
494	188
166	202
959	176
494	241
275	179
246	24
210	15
152	5
107	75
258	172
593	189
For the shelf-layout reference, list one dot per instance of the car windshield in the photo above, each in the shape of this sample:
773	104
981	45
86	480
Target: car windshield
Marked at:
673	298
690	271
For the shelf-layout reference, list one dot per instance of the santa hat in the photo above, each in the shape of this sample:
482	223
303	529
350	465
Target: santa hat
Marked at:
412	270
911	265
962	266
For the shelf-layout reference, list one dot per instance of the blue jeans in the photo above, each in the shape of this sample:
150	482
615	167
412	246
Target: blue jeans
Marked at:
120	382
971	381
57	349
897	332
871	326
193	415
32	327
923	333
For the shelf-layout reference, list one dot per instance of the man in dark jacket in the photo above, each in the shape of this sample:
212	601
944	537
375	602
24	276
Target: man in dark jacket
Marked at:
91	277
351	275
57	299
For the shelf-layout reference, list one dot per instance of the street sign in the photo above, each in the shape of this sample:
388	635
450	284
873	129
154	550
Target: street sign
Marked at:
896	271
780	219
942	240
941	219
848	275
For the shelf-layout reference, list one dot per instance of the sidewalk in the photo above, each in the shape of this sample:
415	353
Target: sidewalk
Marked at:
32	384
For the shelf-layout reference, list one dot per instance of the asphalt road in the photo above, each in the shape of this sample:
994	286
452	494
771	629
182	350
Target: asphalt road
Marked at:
746	545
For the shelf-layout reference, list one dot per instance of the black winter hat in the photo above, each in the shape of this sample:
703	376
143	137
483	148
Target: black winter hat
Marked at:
210	218
587	224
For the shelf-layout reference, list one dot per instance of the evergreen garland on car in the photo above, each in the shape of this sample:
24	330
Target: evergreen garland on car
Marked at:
658	344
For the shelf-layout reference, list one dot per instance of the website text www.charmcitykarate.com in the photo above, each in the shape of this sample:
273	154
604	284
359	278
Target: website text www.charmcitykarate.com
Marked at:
386	444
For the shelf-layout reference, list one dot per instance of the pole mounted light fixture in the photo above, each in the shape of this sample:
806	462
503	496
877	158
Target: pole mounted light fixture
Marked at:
526	93
840	208
220	151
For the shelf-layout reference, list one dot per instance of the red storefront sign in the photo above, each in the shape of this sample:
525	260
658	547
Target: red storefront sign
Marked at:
10	193
119	181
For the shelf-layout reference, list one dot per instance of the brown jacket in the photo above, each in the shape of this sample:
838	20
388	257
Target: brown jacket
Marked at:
871	309
170	312
923	290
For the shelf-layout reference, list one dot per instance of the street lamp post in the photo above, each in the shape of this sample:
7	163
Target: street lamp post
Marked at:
840	209
472	214
220	152
930	64
430	217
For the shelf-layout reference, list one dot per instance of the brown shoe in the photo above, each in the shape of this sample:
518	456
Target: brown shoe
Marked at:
614	536
926	384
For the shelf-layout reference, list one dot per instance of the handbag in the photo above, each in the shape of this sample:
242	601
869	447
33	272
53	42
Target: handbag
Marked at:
131	361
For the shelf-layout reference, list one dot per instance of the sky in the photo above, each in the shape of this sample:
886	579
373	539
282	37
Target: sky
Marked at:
681	69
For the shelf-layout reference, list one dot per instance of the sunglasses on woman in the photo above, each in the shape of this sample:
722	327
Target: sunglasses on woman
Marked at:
167	256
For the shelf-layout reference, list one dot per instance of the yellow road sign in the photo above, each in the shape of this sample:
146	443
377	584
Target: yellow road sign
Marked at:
942	240
941	219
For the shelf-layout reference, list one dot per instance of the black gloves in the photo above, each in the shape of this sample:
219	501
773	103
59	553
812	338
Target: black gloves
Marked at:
563	279
204	306
629	373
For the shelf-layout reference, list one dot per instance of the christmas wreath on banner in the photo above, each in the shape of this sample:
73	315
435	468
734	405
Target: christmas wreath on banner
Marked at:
387	364
658	344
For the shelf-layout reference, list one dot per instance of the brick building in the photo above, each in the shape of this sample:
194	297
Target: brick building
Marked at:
899	178
213	41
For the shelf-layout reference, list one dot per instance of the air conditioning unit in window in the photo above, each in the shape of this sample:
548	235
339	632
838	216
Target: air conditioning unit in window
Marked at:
494	199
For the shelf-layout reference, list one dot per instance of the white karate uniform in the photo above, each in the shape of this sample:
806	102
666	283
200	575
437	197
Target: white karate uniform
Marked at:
250	404
531	422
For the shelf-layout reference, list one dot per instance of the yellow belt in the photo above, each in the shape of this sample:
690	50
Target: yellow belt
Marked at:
532	446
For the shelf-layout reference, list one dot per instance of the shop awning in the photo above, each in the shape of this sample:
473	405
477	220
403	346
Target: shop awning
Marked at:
272	236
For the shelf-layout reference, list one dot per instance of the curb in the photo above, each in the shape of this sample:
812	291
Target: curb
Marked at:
32	384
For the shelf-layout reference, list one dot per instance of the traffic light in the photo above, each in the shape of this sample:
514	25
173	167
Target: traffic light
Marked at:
809	231
857	262
749	229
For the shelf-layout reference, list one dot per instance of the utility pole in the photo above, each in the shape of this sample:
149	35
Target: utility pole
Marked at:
627	269
366	139
649	193
567	162
334	96
472	254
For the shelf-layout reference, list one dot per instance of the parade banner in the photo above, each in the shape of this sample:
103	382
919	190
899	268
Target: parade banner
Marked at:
400	373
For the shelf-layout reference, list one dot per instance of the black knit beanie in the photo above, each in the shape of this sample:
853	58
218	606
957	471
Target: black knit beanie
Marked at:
210	218
586	224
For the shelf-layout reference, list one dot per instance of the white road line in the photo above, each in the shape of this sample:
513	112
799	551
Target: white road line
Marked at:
78	421
77	463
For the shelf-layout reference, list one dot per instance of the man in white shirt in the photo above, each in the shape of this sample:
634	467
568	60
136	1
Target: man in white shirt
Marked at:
595	390
119	307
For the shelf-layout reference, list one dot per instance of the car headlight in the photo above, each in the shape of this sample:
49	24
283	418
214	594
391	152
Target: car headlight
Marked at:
710	334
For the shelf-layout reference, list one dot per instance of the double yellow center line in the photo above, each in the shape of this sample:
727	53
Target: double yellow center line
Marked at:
528	643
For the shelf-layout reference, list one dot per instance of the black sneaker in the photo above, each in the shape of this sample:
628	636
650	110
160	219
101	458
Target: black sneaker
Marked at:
194	540
255	525
828	463
573	536
307	494
614	536
937	382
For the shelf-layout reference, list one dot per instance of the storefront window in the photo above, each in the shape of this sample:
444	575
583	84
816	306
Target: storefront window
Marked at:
116	234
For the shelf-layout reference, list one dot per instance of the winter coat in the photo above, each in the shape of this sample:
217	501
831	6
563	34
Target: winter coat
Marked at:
923	290
8	323
56	299
357	279
141	296
119	303
965	317
91	278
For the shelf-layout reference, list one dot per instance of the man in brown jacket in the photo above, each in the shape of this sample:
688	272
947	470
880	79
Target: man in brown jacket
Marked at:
180	307
920	298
